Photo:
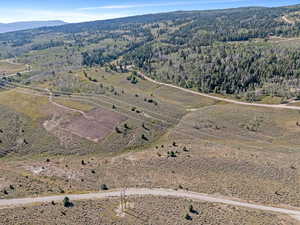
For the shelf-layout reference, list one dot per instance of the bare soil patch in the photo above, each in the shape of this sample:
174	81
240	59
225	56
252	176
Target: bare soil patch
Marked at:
95	129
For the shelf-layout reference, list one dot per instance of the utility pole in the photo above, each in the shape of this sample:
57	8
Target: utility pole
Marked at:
123	200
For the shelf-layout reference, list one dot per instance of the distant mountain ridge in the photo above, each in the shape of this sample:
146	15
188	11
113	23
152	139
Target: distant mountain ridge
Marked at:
10	27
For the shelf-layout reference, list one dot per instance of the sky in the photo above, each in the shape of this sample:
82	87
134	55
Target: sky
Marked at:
88	10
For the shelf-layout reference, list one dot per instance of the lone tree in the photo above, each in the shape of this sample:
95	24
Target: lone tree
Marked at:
172	154
144	126
144	137
118	130
103	187
191	209
185	149
188	217
67	202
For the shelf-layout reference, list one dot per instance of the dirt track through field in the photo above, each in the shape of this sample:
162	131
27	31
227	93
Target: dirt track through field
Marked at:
9	203
66	107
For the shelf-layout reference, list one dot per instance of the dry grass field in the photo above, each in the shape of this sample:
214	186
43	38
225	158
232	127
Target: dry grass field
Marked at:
183	142
10	68
231	156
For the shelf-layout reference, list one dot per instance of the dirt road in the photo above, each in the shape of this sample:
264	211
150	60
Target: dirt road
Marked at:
8	203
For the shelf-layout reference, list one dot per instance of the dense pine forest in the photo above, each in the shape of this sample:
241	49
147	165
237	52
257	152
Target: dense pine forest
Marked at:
245	52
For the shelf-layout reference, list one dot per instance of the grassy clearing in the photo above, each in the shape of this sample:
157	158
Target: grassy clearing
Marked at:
182	98
271	100
119	80
28	104
286	42
23	135
9	68
269	129
146	89
74	104
295	104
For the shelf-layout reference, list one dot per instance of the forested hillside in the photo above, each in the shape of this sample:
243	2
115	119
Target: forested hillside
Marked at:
232	51
227	69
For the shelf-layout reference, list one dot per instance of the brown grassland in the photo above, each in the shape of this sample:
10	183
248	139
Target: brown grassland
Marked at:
189	142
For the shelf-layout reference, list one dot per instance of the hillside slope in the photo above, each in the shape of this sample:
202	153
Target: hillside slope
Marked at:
237	52
10	27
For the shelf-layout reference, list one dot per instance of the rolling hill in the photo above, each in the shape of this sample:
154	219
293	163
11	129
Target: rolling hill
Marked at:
10	27
236	48
153	101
